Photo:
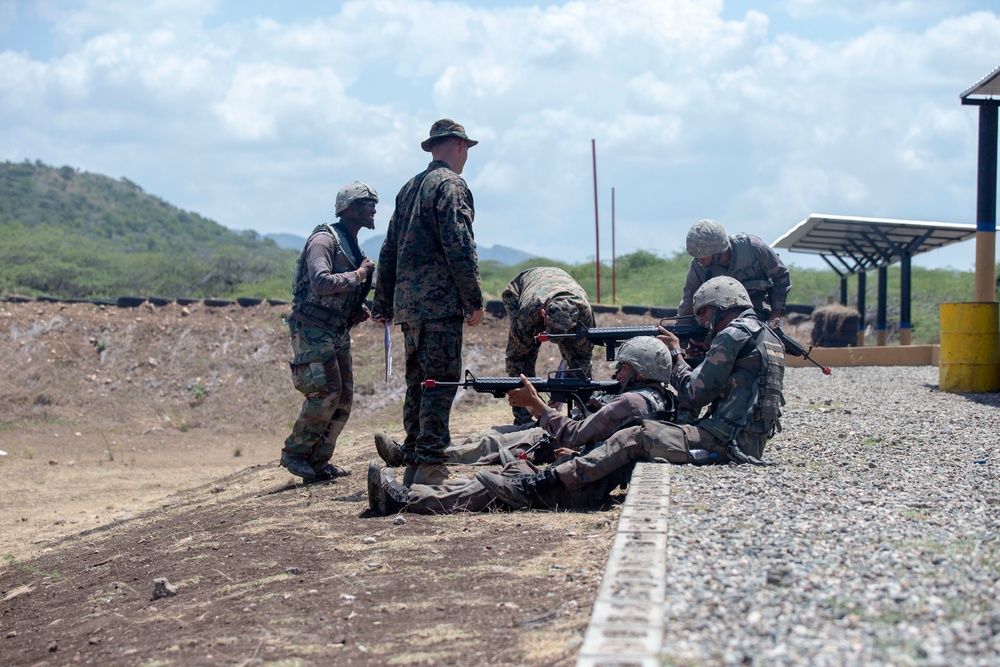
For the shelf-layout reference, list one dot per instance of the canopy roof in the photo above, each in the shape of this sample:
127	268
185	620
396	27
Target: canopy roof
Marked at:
860	244
988	86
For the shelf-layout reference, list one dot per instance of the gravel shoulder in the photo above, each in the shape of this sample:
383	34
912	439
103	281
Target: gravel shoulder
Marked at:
873	542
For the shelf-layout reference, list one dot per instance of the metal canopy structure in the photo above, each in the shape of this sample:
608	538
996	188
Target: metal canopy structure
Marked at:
988	86
861	244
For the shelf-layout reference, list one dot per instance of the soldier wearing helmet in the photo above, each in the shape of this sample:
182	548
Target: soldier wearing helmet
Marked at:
642	369
332	279
740	382
545	298
741	256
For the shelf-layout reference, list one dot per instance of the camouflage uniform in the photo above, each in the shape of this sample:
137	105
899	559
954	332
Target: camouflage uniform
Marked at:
428	282
755	265
623	408
469	495
732	380
328	299
564	302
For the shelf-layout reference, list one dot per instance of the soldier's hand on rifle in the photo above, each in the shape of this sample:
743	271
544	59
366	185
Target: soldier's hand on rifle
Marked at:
476	318
526	397
669	339
775	321
366	269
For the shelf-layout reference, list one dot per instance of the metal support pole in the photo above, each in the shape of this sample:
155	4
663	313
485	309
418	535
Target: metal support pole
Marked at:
905	328
614	273
843	290
883	290
597	228
986	205
862	286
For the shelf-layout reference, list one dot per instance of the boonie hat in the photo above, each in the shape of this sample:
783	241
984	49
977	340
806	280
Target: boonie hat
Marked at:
560	317
443	128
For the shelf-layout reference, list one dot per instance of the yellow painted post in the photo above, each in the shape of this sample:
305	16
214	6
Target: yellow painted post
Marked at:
970	347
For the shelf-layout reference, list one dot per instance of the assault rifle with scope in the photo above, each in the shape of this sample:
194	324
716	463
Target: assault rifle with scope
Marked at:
564	386
686	328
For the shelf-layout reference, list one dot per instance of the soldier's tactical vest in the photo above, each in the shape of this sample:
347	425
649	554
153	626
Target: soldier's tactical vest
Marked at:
766	379
334	310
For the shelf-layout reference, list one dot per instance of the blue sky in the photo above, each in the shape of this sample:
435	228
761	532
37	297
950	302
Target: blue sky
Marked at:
756	114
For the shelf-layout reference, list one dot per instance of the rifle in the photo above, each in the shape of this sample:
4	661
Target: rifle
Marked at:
565	386
686	328
793	348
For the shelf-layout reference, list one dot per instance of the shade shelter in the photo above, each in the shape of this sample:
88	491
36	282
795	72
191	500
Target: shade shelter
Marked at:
853	245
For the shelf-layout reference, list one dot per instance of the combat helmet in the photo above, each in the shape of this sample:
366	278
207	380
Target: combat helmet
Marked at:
649	356
707	238
351	193
722	293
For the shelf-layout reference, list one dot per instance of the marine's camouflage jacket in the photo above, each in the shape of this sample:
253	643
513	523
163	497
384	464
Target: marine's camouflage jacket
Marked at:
754	264
534	289
427	266
729	379
624	408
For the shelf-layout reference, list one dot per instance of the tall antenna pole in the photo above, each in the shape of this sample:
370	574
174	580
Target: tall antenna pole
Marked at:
597	228
614	273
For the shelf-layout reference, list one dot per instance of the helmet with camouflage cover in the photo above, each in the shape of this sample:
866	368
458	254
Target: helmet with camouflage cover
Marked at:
351	193
648	356
722	293
707	238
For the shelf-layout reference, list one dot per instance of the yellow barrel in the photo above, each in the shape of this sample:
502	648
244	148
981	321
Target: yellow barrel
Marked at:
970	347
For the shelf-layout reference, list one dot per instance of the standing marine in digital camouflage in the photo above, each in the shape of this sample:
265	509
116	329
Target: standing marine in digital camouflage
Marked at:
741	256
741	379
332	278
541	299
428	283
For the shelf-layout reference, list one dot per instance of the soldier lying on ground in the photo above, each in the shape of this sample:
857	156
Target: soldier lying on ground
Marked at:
643	365
642	370
741	379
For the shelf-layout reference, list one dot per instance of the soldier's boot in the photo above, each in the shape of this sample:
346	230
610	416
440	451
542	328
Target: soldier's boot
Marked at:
519	491
298	465
385	495
388	449
327	471
431	473
409	475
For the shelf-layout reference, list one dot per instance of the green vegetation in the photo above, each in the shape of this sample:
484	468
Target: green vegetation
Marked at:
70	234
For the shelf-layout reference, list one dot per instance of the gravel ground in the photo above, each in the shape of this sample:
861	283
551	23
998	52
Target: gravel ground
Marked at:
873	542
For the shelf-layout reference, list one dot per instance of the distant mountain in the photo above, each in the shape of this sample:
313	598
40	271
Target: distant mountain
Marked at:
287	241
498	253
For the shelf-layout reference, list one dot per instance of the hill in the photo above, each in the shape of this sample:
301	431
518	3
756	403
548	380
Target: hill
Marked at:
75	234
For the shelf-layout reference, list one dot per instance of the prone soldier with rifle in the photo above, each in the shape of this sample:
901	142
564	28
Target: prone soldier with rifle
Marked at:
643	368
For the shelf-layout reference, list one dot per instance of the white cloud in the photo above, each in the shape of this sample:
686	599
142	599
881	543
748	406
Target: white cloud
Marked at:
257	121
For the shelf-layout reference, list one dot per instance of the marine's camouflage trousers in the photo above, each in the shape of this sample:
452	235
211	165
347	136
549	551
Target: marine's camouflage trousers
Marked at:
484	446
322	372
469	495
433	351
650	441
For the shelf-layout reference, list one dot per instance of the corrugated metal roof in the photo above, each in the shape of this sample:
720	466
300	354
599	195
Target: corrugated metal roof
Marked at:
988	86
867	243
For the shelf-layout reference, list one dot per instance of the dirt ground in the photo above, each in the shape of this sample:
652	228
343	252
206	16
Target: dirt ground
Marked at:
142	443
